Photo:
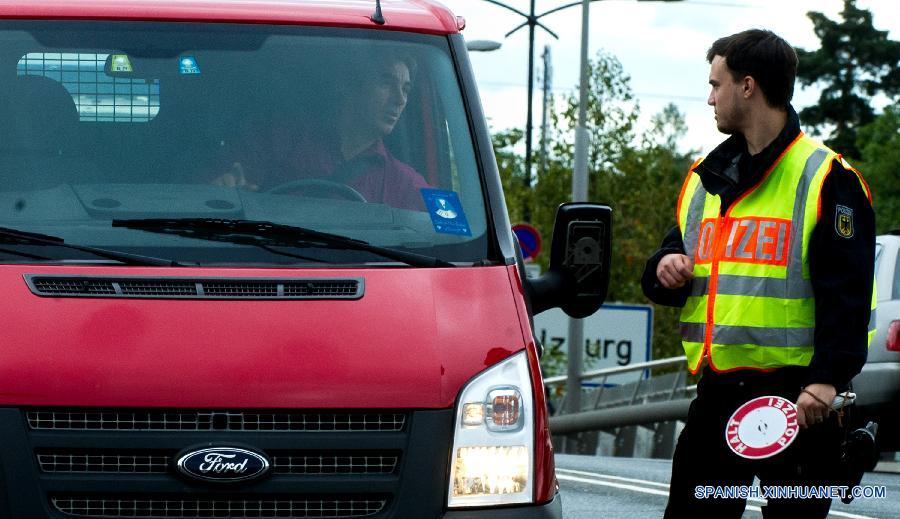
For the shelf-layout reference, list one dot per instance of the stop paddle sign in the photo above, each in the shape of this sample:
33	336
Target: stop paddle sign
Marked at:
762	427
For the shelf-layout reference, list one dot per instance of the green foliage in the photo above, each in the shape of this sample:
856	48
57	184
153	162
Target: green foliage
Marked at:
640	177
854	63
880	145
643	196
611	115
512	171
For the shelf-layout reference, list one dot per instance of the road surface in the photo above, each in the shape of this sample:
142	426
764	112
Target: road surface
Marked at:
635	488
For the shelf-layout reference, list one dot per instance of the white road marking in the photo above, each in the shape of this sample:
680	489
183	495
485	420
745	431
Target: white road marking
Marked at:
845	514
615	478
614	485
614	481
627	487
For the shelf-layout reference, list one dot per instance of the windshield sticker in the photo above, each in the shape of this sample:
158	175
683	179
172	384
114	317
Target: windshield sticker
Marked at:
446	212
188	65
120	63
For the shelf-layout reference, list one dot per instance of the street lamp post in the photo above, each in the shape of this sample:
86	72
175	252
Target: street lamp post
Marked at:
532	20
579	194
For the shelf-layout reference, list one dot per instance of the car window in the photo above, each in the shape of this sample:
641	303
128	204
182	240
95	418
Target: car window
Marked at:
352	132
896	294
97	96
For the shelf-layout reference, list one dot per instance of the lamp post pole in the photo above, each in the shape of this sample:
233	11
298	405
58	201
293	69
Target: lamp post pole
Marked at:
547	81
529	122
579	194
532	20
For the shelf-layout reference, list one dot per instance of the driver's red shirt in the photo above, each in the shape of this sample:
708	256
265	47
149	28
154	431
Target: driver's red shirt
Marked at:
291	155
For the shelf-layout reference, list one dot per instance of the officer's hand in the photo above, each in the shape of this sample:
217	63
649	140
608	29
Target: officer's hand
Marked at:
235	178
811	411
674	270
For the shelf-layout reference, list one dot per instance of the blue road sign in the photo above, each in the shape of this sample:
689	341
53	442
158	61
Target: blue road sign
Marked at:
529	240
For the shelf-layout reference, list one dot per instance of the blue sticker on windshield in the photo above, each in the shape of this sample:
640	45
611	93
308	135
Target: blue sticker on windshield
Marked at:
446	212
188	65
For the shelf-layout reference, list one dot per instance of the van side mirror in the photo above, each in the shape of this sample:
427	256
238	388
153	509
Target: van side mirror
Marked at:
578	277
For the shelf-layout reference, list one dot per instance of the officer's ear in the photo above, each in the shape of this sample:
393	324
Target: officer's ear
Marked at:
748	87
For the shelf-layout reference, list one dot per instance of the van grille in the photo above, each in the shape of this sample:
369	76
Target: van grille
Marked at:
344	463
194	288
238	507
107	463
97	461
186	420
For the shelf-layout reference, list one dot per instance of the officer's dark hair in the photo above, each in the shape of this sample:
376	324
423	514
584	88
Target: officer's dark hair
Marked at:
764	56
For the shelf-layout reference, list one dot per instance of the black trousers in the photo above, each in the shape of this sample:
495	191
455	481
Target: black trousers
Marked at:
702	456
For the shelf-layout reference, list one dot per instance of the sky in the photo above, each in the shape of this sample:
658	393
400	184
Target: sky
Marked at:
662	47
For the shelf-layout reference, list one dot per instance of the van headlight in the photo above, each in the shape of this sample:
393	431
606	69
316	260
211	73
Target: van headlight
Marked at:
493	443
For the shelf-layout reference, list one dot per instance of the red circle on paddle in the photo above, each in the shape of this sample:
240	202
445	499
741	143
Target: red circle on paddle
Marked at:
762	427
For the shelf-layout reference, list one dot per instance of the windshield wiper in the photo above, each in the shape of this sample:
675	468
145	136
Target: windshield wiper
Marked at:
253	232
8	235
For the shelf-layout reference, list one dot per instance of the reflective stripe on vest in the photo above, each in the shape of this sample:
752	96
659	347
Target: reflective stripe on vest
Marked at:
751	301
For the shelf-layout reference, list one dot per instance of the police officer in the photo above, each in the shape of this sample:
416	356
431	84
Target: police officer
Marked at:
772	262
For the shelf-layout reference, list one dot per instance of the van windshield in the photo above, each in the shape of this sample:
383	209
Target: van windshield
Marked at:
355	133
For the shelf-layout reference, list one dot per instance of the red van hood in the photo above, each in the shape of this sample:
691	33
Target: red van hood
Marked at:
412	341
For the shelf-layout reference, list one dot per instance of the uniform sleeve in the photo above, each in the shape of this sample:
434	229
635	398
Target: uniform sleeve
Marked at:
842	264
671	244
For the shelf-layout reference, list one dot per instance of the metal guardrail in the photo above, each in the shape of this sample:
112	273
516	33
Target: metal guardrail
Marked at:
640	409
606	372
644	414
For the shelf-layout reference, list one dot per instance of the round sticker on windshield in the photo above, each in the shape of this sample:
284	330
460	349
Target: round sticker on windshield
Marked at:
762	427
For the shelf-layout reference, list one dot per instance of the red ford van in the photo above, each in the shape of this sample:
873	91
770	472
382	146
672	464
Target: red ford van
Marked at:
255	263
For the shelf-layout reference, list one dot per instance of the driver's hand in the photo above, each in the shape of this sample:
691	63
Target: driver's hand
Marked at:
235	178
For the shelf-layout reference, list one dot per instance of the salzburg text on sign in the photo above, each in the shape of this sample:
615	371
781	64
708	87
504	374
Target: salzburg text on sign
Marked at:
598	348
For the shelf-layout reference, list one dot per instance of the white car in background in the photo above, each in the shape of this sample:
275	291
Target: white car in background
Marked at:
878	385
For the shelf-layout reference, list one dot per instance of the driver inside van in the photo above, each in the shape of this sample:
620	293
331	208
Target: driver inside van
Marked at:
344	157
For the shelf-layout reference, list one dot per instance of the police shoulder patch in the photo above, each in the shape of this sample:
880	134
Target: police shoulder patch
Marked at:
843	221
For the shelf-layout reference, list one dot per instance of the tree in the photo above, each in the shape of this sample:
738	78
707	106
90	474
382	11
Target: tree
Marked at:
880	146
512	172
638	176
611	116
854	63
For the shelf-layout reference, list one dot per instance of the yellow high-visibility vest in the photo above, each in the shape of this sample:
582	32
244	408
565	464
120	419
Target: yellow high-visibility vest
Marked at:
751	302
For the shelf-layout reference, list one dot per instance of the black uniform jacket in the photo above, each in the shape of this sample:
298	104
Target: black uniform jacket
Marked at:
842	268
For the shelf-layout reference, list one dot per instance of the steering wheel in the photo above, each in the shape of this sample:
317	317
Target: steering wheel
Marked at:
318	188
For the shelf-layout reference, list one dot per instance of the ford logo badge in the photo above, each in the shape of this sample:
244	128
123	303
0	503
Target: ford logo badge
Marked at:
223	464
